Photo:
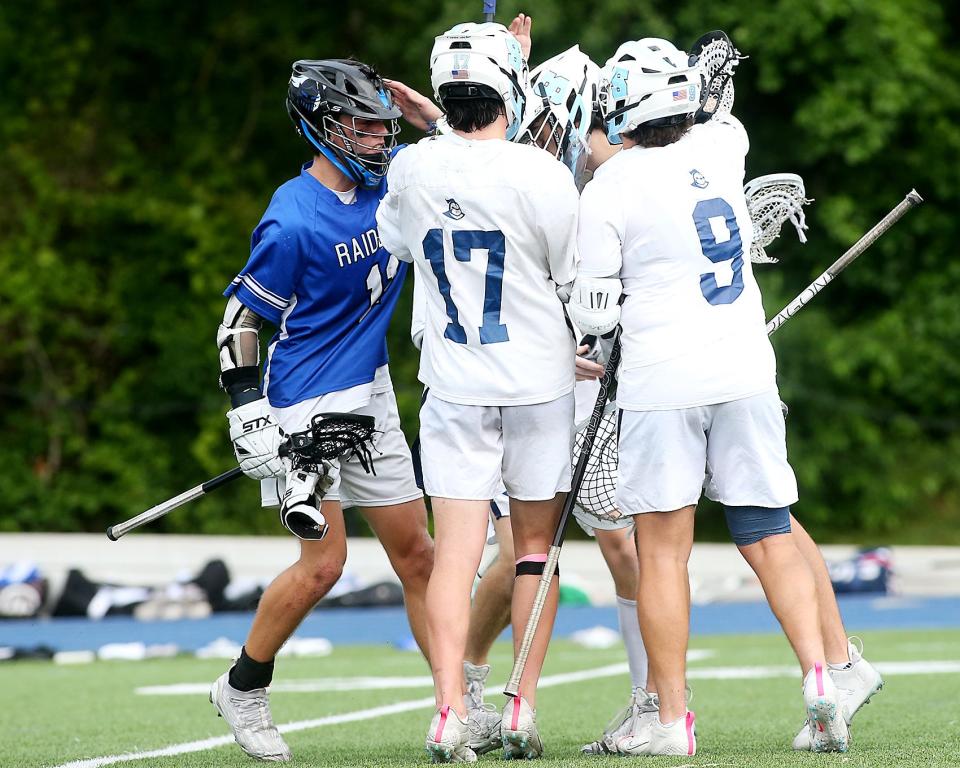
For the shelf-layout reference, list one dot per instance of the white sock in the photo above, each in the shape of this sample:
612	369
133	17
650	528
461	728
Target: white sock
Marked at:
630	632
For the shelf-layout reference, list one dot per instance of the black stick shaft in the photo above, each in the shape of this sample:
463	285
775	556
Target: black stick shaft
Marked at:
114	532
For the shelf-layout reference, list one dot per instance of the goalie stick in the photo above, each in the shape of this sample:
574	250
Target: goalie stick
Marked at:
553	554
330	436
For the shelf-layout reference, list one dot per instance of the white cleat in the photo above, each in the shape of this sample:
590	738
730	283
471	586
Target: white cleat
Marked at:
676	738
483	720
448	738
248	715
518	729
826	726
634	720
856	683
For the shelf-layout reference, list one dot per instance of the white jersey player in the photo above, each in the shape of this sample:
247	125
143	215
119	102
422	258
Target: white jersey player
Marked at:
491	228
665	222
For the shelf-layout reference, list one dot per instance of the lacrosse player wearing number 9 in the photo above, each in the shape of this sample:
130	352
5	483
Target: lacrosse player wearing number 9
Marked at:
665	222
318	272
491	228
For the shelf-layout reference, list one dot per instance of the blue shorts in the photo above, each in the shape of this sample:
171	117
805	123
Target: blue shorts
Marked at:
748	525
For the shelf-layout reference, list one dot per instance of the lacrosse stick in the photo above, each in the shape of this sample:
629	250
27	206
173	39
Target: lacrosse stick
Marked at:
553	554
330	436
489	9
718	58
772	200
910	201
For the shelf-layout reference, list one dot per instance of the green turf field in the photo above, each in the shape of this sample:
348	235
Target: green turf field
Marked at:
53	715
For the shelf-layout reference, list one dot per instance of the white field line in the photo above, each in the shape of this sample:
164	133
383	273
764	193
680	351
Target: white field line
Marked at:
335	683
885	668
347	717
703	673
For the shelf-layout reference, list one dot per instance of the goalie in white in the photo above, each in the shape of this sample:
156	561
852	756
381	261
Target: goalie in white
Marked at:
491	228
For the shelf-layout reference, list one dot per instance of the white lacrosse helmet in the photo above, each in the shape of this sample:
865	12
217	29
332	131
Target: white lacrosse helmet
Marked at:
487	55
560	103
648	82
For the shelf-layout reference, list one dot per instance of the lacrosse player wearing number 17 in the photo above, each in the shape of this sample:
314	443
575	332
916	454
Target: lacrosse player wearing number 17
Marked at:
491	228
665	222
318	273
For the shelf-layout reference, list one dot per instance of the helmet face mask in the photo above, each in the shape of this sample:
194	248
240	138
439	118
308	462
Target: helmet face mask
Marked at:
560	107
343	111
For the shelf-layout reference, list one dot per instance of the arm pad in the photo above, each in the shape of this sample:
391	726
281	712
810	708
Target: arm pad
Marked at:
594	305
238	338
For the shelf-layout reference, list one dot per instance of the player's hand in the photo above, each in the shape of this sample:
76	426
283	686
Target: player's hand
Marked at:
416	108
256	439
587	370
520	29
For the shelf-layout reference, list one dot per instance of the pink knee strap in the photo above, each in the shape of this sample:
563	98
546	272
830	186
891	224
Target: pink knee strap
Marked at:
533	565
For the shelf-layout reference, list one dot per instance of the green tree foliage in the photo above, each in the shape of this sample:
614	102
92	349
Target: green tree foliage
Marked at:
140	142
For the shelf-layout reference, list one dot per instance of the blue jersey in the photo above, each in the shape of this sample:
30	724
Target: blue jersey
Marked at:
318	272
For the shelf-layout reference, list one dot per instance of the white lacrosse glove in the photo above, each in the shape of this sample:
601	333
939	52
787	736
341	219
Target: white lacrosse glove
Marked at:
256	439
594	305
300	506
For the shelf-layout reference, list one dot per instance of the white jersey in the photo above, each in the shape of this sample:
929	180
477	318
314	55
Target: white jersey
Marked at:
491	227
673	223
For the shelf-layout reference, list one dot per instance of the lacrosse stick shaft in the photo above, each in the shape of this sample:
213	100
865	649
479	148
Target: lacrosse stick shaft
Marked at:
553	553
910	201
114	532
489	9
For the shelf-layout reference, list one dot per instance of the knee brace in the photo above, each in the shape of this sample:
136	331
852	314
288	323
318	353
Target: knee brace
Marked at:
748	525
533	565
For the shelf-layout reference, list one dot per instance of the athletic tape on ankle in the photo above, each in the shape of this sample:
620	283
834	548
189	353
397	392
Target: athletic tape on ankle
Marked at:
533	565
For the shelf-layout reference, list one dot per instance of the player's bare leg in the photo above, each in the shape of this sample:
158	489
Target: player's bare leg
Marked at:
831	625
459	527
791	592
490	613
294	593
240	695
534	524
664	541
402	530
620	554
856	679
790	589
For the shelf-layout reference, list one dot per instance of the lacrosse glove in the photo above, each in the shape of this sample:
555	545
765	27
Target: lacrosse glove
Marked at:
256	439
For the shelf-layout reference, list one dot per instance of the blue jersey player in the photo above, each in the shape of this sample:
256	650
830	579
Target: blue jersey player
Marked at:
318	273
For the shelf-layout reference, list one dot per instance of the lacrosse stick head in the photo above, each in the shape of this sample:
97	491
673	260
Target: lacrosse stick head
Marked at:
718	58
596	497
772	200
331	436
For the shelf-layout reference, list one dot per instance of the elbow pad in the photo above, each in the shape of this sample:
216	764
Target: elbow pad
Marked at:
238	339
594	305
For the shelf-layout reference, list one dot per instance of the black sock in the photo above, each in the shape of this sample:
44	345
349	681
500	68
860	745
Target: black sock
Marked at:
248	674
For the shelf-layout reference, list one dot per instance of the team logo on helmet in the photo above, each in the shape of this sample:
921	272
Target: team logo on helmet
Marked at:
699	180
454	211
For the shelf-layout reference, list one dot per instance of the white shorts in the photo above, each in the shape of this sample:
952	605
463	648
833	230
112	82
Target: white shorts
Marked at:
394	481
736	452
473	451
